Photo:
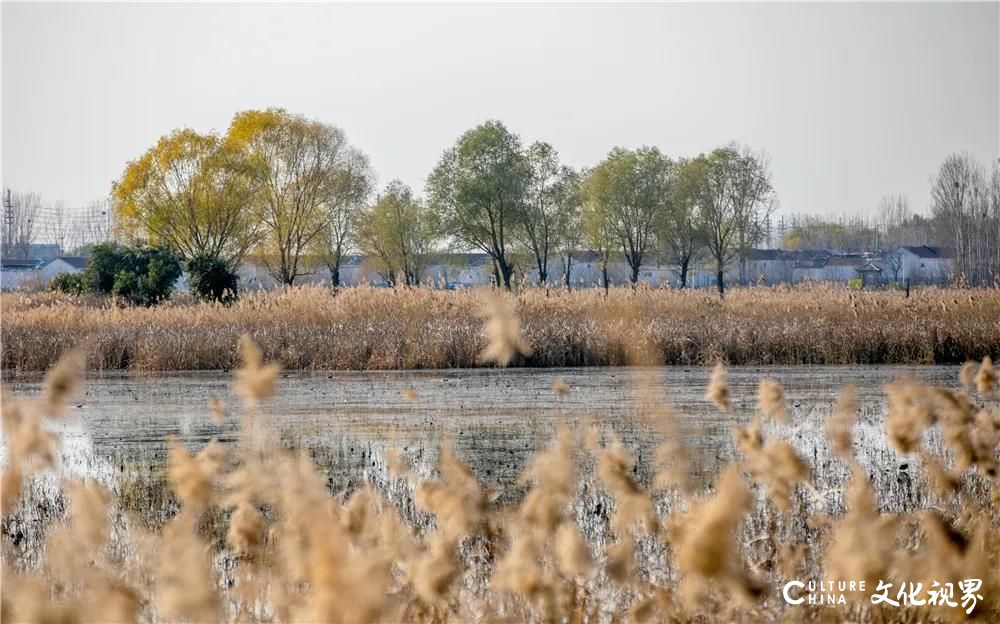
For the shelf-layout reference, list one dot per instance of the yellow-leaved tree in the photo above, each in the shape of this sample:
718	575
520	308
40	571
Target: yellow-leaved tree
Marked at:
193	193
312	184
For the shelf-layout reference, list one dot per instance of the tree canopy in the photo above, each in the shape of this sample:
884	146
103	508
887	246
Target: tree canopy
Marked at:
632	189
478	191
400	231
193	193
306	172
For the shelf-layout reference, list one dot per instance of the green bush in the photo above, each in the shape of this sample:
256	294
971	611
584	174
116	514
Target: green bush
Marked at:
211	279
71	283
137	275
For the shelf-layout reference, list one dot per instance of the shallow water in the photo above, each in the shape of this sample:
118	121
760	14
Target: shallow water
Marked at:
497	418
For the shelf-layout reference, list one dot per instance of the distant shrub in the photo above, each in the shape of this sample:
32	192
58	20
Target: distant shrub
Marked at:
70	283
137	275
211	279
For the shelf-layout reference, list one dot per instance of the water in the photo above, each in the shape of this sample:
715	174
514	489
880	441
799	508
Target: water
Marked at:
497	418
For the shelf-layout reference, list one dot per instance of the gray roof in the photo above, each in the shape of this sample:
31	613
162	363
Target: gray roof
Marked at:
845	260
19	264
77	262
930	252
765	254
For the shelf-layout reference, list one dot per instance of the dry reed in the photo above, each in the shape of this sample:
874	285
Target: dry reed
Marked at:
365	328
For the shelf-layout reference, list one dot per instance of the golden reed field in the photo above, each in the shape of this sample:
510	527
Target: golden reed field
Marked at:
371	329
257	536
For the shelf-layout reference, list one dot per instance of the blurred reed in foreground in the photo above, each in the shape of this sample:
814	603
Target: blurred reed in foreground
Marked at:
293	551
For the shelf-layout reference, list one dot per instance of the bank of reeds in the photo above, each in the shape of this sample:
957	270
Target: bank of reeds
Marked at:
289	550
366	329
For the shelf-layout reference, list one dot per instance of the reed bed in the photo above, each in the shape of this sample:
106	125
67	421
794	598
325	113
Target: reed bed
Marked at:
372	329
255	535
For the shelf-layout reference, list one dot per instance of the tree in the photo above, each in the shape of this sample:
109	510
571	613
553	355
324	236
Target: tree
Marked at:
352	188
595	223
136	275
193	193
97	225
304	170
680	232
70	283
632	189
752	196
570	238
58	227
211	279
735	200
962	196
400	231
894	259
478	192
550	199
20	222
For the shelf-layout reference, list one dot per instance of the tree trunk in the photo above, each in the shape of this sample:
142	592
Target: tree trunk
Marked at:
604	277
543	273
719	282
684	271
634	277
335	276
505	272
566	276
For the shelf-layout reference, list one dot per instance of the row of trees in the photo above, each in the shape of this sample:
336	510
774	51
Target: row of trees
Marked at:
492	194
293	192
891	225
275	184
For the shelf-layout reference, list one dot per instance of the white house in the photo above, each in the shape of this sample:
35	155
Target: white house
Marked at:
19	274
60	265
924	264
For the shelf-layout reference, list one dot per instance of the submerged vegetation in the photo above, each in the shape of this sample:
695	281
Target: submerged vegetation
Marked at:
254	533
380	329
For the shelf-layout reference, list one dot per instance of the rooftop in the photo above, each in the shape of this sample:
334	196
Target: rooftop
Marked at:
18	264
930	252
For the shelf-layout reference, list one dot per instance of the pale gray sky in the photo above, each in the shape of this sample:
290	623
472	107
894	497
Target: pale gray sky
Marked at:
852	101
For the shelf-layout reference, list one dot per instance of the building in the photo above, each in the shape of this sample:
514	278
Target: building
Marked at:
19	274
924	264
60	265
870	274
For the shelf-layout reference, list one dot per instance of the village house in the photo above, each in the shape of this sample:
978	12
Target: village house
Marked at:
59	265
768	267
19	274
925	264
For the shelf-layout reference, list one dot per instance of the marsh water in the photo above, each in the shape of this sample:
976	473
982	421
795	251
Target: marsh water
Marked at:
496	418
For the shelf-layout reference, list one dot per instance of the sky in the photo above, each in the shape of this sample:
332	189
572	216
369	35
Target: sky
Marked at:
851	102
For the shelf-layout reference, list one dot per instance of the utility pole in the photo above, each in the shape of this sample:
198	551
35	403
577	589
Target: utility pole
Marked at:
8	209
8	222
